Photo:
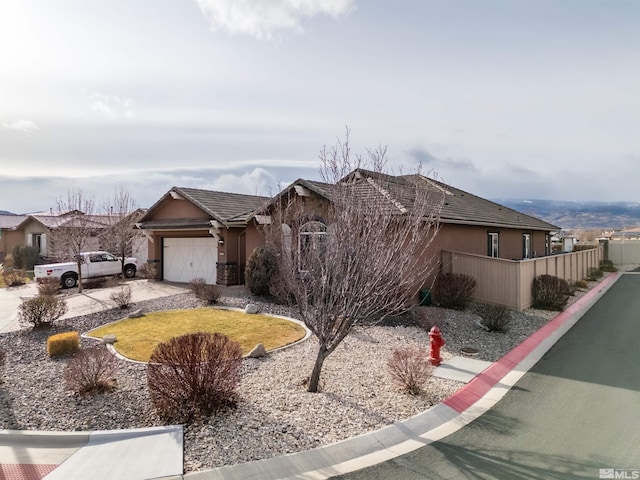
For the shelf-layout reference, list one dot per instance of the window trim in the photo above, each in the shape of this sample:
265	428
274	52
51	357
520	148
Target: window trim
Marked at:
526	245
493	244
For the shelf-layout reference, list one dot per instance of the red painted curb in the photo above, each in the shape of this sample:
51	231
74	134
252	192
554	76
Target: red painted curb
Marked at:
488	378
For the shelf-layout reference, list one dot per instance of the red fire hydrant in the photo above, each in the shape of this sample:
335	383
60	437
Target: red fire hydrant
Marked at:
437	342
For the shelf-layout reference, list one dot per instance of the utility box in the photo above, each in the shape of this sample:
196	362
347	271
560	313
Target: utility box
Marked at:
425	297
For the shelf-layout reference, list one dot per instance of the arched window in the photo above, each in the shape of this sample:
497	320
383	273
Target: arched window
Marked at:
311	244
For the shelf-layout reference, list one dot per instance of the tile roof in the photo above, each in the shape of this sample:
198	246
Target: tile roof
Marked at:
224	207
396	194
7	222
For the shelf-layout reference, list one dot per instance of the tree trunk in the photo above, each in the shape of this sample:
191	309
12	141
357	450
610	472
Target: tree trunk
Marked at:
79	264
317	368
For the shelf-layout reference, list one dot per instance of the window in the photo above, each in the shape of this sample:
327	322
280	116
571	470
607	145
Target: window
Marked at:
547	245
311	244
526	245
493	245
38	240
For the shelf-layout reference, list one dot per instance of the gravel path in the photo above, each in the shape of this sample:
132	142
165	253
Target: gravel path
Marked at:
274	414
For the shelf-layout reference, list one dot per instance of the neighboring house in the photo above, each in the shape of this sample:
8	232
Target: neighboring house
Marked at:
626	234
36	230
196	233
10	234
199	233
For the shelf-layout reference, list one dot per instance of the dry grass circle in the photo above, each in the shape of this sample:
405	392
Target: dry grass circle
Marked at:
137	337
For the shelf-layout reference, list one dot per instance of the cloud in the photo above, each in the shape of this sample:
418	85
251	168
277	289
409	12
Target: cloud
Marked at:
261	18
430	161
111	106
256	182
24	126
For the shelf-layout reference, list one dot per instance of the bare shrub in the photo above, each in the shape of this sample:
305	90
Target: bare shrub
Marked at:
122	296
550	293
428	317
48	286
454	290
409	367
193	375
41	311
261	267
148	270
204	291
14	277
63	344
495	317
91	371
607	266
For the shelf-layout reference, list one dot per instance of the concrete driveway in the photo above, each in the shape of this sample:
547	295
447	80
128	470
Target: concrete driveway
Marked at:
89	301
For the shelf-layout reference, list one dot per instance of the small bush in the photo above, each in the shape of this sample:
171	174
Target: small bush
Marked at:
122	296
607	266
8	261
409	367
550	293
428	317
495	317
41	311
581	284
209	293
63	344
25	256
48	286
454	290
91	371
594	274
14	277
148	270
260	268
193	375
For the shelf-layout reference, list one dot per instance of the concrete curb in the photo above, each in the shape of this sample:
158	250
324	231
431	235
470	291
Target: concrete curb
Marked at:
464	406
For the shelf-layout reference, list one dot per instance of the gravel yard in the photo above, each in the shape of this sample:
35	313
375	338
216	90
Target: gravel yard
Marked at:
274	414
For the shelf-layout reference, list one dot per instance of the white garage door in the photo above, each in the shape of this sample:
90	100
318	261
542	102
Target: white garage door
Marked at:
189	258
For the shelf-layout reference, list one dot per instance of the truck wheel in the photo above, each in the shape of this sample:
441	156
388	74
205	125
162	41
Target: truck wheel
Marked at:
129	271
69	280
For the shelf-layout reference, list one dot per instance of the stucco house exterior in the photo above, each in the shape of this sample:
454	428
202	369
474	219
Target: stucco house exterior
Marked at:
199	233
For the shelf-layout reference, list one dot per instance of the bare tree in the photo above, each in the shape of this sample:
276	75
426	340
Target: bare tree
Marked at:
123	214
361	255
76	230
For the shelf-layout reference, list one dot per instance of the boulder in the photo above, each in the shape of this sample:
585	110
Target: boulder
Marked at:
258	351
109	338
251	309
136	314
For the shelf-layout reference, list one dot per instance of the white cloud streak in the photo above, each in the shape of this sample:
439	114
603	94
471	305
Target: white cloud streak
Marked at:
261	19
111	106
24	126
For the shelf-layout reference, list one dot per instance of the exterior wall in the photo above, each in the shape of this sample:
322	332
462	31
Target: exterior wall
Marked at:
509	282
36	228
170	208
9	239
622	252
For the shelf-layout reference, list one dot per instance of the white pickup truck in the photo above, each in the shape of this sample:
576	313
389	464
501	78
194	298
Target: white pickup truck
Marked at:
94	264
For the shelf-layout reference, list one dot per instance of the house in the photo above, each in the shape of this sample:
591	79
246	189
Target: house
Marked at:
199	233
195	233
36	229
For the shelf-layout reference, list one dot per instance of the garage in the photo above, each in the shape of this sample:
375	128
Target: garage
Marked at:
187	258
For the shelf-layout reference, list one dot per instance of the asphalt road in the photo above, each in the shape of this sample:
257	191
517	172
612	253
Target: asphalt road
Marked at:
575	412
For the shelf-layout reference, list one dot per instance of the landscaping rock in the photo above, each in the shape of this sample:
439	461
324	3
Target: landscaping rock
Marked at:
258	351
136	314
109	338
251	309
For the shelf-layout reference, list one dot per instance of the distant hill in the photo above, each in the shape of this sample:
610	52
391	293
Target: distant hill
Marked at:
579	215
4	212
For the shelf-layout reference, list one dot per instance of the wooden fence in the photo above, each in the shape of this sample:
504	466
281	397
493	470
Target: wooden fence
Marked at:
510	282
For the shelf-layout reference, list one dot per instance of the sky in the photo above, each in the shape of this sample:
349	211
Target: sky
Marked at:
503	99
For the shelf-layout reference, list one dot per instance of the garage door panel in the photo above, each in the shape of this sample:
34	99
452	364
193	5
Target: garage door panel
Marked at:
189	258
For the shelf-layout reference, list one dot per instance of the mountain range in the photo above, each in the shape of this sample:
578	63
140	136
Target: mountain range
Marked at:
578	215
